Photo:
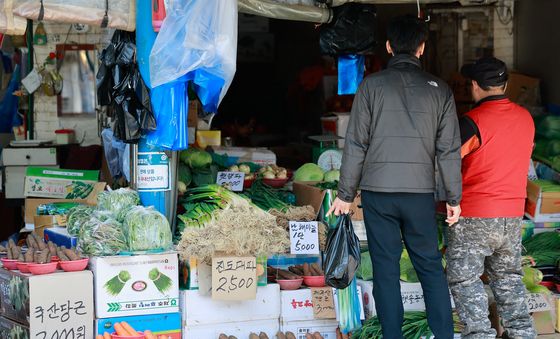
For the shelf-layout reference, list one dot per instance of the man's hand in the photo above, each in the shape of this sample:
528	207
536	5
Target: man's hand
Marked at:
339	207
453	214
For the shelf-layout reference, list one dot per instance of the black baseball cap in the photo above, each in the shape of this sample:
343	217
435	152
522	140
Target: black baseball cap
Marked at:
486	72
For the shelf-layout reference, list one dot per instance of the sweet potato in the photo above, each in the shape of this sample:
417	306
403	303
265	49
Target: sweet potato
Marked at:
21	258
40	243
306	270
29	255
52	247
31	243
17	252
42	256
253	336
263	335
60	254
280	335
71	254
290	335
316	269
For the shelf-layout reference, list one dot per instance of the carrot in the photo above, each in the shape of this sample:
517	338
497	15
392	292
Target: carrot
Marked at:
99	336
148	334
121	330
129	329
106	335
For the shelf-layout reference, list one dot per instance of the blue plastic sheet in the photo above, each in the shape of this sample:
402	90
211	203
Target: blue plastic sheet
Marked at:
9	116
350	73
145	38
197	41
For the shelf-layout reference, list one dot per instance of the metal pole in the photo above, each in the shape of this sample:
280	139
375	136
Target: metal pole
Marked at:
31	108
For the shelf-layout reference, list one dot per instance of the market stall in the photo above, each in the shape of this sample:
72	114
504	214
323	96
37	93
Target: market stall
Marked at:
194	226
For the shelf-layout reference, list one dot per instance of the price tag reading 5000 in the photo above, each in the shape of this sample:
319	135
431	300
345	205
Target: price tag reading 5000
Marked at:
234	278
304	237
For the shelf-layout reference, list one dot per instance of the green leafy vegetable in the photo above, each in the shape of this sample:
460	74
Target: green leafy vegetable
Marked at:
266	197
76	217
98	238
146	229
184	174
118	202
365	270
309	172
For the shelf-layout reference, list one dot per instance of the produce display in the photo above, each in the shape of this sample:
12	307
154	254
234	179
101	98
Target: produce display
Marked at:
124	330
309	172
544	248
197	169
76	217
279	335
239	228
98	238
118	202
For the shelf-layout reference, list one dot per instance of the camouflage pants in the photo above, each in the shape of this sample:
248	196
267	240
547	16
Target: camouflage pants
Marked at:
493	245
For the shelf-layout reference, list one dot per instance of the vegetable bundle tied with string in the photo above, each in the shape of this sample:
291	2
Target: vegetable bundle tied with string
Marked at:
238	228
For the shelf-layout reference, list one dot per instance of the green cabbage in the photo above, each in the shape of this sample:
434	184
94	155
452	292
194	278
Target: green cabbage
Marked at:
147	229
118	202
98	238
184	174
199	159
332	176
76	217
309	172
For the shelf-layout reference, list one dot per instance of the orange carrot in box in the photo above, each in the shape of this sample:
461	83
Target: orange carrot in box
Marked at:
148	334
121	330
129	329
99	336
106	335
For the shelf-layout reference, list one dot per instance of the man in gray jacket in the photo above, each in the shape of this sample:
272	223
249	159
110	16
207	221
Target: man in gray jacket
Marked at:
403	120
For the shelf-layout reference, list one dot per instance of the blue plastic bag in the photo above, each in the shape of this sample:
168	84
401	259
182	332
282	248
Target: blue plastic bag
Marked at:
9	116
198	39
145	38
350	73
170	103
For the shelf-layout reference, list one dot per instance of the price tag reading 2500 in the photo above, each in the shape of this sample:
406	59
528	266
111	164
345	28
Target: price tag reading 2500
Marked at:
304	237
234	278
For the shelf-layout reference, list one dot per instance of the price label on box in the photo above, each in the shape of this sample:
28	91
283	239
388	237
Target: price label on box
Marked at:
234	278
304	237
231	180
323	303
538	302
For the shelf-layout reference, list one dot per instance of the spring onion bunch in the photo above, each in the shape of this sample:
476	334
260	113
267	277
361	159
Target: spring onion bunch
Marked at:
349	308
266	197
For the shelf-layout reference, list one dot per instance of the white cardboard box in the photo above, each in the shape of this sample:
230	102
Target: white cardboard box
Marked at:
57	305
139	294
297	305
411	294
238	329
327	328
200	310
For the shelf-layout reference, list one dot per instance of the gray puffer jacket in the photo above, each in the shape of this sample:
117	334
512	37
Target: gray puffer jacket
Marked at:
402	120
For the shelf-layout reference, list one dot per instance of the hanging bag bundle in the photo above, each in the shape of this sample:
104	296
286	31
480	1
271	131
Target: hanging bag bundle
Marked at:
342	254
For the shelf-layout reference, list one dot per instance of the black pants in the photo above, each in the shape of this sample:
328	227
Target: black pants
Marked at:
390	219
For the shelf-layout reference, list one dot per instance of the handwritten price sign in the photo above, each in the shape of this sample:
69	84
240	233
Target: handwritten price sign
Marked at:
234	278
323	303
537	302
231	180
304	237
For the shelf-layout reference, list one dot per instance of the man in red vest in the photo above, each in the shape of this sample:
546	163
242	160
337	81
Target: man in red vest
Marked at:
497	139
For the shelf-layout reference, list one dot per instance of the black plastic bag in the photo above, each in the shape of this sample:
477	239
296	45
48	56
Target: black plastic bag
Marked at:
120	86
342	254
352	31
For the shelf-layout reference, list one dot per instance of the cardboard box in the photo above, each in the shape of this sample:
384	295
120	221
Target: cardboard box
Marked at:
59	183
50	306
169	324
139	295
307	194
31	205
192	117
327	328
260	156
541	307
26	156
203	310
411	294
297	305
237	329
542	207
523	89
11	329
60	237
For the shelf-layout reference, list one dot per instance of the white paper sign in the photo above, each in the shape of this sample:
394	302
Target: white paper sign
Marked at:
153	172
304	237
231	180
538	302
32	81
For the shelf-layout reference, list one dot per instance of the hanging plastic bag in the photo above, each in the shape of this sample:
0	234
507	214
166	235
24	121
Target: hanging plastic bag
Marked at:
198	39
342	254
352	31
9	116
350	73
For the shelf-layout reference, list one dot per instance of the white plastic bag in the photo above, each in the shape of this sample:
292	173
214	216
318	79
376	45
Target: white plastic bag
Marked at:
121	13
197	41
11	24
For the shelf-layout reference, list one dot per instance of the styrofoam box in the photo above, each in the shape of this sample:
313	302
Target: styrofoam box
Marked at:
297	305
240	329
411	293
327	328
203	310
